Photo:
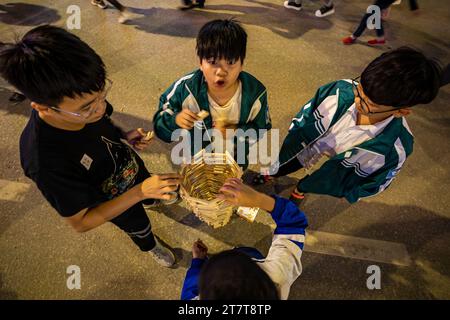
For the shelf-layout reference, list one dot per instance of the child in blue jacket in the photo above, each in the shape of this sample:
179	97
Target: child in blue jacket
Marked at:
244	273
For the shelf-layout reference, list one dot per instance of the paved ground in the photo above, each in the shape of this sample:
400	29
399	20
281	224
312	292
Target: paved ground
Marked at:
405	230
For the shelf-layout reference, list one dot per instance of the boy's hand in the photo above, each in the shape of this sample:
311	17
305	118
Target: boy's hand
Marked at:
186	118
199	250
235	192
158	186
139	138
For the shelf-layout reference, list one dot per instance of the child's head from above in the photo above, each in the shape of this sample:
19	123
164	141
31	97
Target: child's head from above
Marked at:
221	48
233	275
396	81
61	75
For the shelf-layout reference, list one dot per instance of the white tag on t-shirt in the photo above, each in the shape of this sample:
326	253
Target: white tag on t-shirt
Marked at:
86	161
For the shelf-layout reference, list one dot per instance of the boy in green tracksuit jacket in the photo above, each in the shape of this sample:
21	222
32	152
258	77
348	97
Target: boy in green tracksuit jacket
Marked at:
234	99
360	126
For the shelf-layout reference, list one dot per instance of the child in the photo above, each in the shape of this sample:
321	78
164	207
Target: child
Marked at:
244	273
233	98
71	149
360	126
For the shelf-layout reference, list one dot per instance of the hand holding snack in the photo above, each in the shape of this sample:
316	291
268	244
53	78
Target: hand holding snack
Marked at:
139	138
186	119
202	114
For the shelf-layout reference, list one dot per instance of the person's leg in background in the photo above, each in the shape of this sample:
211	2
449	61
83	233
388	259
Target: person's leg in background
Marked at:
136	224
189	4
380	35
124	13
383	5
99	3
117	5
293	4
326	9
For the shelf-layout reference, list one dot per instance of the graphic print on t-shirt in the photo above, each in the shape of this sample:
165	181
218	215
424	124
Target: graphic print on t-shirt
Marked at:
125	169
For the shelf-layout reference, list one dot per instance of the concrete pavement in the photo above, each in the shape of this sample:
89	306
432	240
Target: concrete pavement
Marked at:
292	53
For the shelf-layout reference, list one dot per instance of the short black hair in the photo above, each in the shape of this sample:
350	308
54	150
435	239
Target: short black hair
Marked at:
222	39
403	77
233	275
50	63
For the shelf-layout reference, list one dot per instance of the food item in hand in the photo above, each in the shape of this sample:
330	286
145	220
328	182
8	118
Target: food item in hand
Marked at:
148	136
203	114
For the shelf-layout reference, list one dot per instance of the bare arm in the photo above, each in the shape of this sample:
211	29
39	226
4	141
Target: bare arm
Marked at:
155	187
235	192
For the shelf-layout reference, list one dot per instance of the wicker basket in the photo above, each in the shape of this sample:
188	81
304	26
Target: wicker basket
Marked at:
201	181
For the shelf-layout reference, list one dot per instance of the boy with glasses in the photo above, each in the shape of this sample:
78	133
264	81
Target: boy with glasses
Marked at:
70	147
359	126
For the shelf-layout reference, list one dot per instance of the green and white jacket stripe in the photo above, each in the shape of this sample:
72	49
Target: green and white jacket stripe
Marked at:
191	92
362	171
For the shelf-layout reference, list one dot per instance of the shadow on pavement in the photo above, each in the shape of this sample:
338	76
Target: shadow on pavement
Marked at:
24	14
174	22
6	294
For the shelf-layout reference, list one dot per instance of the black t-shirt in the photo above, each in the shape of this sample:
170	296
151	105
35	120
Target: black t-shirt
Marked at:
79	169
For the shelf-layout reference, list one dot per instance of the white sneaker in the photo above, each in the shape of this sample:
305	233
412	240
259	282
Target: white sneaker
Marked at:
163	255
99	3
325	11
124	16
292	5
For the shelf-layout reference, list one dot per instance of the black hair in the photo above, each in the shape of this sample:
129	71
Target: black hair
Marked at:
403	77
222	39
50	63
233	275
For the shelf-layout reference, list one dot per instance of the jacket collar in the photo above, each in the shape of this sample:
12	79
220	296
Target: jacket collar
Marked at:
252	89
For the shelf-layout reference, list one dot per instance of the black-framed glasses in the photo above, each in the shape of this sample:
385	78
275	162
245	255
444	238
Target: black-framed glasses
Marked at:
364	104
88	110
